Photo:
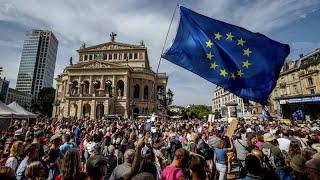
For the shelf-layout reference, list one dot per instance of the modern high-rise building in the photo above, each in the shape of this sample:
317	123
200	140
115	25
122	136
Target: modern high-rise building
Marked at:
38	61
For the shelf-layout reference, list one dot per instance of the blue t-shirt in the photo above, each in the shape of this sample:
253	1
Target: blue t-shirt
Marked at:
66	146
221	155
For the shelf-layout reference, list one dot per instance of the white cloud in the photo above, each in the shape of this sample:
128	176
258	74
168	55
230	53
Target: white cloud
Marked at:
77	21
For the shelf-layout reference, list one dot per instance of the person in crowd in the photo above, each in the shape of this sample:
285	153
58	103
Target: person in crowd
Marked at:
112	161
7	173
251	142
284	142
35	171
253	167
15	155
56	142
71	166
66	144
241	148
220	158
31	154
124	168
96	167
271	150
175	171
197	167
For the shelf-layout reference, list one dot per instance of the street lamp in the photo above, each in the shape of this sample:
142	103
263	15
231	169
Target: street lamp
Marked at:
165	99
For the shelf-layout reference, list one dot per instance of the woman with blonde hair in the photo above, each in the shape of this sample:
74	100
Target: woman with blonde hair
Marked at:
35	171
15	153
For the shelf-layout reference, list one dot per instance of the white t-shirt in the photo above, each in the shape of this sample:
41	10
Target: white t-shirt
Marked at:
12	162
284	144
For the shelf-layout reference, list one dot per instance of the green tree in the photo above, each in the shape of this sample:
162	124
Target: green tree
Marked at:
43	105
198	111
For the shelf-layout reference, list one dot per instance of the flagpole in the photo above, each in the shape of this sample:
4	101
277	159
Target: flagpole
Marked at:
165	41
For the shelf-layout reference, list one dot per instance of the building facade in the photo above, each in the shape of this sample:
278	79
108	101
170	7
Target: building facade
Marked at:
109	79
222	98
4	87
38	61
22	98
299	86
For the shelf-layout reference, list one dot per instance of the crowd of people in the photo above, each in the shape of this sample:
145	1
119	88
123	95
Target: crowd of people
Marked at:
73	149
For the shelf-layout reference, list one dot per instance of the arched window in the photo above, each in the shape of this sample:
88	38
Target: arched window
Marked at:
136	92
120	87
146	92
108	88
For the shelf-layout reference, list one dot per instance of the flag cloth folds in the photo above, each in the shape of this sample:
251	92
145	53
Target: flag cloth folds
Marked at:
245	63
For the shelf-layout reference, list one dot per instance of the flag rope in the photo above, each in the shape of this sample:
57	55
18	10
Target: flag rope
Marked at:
165	41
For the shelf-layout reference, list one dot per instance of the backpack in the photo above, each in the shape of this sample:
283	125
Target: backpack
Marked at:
267	152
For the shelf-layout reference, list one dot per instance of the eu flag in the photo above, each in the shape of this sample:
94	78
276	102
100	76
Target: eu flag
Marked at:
245	63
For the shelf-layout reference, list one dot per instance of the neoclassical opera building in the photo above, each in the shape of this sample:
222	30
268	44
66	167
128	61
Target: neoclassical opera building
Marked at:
111	78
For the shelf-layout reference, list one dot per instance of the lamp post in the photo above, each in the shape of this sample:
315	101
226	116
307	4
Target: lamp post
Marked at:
165	99
132	104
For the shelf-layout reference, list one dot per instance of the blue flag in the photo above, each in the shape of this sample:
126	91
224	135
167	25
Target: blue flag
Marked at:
245	63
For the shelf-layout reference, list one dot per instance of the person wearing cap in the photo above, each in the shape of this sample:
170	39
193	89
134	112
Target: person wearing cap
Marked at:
96	167
269	145
55	141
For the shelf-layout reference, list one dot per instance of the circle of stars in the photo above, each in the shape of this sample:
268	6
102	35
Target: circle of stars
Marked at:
246	52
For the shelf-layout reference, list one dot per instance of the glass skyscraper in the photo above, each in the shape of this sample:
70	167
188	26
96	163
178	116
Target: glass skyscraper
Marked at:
38	61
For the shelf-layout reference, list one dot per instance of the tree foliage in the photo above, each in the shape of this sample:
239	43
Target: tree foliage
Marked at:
198	111
44	104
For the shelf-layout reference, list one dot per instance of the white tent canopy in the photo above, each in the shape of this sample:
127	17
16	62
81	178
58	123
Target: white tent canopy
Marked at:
21	111
6	112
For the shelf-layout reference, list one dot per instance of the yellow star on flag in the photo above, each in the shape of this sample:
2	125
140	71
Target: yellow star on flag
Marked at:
217	35
209	43
241	42
230	36
209	55
246	64
213	65
223	72
247	52
233	76
240	73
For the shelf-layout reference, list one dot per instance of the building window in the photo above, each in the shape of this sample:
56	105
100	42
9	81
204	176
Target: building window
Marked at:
110	56
115	57
125	56
85	57
312	91
130	55
135	55
310	81
136	93
90	57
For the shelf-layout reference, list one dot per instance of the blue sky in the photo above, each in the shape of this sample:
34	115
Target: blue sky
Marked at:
296	22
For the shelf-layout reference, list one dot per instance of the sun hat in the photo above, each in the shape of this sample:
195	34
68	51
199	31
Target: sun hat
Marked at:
297	163
55	137
316	146
267	137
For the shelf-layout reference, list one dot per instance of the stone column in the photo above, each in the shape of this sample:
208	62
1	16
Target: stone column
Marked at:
106	107
126	87
93	106
114	87
90	85
141	89
80	108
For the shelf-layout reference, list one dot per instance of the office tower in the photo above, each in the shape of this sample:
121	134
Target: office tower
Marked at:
38	61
